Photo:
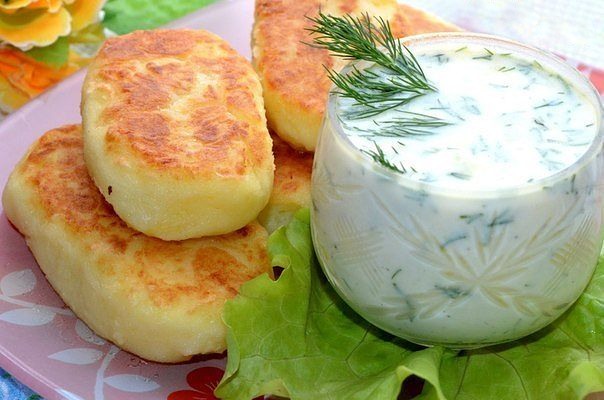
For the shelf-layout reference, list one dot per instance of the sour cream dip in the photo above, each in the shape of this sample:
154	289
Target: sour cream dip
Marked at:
480	228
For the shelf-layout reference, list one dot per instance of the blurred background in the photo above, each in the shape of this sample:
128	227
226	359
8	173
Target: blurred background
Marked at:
571	28
44	41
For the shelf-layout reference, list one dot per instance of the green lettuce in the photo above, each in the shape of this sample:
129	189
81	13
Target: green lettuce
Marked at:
123	16
295	337
56	55
563	361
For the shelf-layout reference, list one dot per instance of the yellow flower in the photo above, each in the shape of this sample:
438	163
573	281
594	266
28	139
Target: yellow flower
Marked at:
83	12
22	77
28	23
14	4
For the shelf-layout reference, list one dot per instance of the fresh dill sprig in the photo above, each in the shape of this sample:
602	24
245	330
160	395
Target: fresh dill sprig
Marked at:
413	124
487	56
379	157
363	39
372	95
395	78
460	175
551	103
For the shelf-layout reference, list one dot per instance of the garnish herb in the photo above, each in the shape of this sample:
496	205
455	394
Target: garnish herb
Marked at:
460	175
487	56
360	39
550	104
411	125
501	219
378	156
372	94
471	218
399	81
539	122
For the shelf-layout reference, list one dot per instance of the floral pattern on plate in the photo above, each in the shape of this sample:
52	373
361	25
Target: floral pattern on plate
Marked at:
41	342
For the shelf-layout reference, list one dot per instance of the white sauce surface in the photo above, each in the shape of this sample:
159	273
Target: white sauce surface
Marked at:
465	268
511	121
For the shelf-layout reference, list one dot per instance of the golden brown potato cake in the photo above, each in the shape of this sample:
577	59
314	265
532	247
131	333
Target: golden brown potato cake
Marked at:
291	188
160	300
175	133
293	78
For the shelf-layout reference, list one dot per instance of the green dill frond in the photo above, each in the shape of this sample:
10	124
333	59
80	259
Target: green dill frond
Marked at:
379	157
551	103
393	78
372	94
361	38
412	124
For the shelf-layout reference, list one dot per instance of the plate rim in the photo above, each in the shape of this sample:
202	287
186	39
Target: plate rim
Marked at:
9	360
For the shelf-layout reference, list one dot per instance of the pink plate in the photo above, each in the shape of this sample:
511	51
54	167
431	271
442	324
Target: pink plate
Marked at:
42	343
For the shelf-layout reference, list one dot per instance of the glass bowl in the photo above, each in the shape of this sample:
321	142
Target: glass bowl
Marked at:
455	267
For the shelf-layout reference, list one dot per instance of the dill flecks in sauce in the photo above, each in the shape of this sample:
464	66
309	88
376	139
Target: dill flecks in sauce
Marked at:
498	120
464	243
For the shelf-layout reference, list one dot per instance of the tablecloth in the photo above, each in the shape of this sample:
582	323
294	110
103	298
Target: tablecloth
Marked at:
11	389
543	18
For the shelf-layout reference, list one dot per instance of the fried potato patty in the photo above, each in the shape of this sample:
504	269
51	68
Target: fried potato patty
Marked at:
292	74
160	300
291	188
175	133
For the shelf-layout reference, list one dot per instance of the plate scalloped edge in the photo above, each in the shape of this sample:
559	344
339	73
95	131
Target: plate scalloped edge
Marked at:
50	345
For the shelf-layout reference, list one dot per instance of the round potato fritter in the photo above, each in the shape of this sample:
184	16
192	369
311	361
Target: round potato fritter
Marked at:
174	124
161	300
291	189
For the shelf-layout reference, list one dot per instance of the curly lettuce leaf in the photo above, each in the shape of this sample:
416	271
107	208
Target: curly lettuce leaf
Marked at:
124	16
564	361
56	55
294	337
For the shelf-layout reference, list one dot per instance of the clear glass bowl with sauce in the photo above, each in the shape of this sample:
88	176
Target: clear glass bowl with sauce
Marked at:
465	266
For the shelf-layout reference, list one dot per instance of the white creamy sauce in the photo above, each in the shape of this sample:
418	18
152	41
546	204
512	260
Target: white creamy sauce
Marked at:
466	246
511	121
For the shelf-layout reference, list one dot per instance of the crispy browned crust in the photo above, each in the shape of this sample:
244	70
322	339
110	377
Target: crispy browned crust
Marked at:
174	122
193	272
180	100
291	188
282	57
293	170
293	74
